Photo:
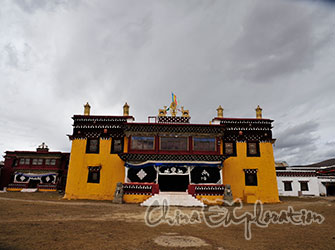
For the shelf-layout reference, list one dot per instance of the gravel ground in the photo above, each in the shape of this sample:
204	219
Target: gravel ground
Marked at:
45	221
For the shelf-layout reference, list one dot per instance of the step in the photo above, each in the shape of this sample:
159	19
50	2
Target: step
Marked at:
29	190
181	199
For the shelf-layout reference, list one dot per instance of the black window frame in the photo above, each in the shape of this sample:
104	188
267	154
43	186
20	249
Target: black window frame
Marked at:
133	138
258	154
174	137
194	138
286	187
92	170
88	141
234	148
250	172
301	186
113	151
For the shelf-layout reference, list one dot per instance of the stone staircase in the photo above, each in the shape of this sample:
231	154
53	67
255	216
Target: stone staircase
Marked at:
181	199
29	190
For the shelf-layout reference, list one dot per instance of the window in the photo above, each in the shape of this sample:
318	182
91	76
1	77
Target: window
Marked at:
250	177
142	143
22	161
304	185
253	149
229	148
287	185
50	162
174	143
92	146
204	144
39	161
35	161
94	174
27	161
117	146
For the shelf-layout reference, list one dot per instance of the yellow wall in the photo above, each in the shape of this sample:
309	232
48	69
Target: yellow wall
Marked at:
112	171
233	174
135	198
211	199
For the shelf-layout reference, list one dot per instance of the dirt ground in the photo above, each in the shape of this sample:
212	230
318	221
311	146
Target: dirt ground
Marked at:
45	221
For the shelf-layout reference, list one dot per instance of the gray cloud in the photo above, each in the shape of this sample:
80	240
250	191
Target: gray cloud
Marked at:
56	55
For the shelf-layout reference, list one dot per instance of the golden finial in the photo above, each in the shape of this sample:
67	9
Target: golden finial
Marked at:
173	109
185	112
219	112
87	109
162	112
126	109
258	112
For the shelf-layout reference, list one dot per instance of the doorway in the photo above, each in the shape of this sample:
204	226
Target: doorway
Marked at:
173	183
330	189
33	183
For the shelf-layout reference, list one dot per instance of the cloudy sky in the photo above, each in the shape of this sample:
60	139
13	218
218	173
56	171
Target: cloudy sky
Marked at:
57	55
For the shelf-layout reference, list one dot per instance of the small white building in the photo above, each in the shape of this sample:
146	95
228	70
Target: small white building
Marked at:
297	183
305	181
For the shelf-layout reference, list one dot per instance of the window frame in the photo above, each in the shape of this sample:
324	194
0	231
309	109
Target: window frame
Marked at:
234	148
175	150
113	151
131	139
88	141
258	154
91	171
290	187
248	172
204	151
301	185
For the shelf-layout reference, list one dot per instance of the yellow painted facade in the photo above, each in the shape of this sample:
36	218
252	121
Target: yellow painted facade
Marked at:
233	174
112	172
210	199
138	198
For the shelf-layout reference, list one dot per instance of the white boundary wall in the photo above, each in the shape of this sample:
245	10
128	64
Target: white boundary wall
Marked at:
313	185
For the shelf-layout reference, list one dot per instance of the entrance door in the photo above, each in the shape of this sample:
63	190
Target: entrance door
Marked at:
330	189
173	183
33	183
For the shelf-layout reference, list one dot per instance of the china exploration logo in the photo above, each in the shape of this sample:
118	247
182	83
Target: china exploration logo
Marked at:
230	213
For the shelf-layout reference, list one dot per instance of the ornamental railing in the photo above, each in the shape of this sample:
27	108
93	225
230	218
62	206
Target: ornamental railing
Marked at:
140	188
18	185
206	189
47	186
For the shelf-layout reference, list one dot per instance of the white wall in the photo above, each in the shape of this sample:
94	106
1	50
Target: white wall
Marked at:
313	185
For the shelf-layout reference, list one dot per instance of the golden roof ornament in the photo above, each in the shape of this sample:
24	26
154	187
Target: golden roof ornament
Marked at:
258	112
173	109
87	109
219	112
126	109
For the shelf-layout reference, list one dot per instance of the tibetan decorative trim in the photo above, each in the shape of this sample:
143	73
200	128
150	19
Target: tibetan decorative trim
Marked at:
170	157
173	119
296	173
250	171
207	189
173	129
94	169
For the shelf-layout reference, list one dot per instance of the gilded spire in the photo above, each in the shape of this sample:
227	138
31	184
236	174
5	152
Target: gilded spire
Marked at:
126	109
258	112
87	109
219	112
